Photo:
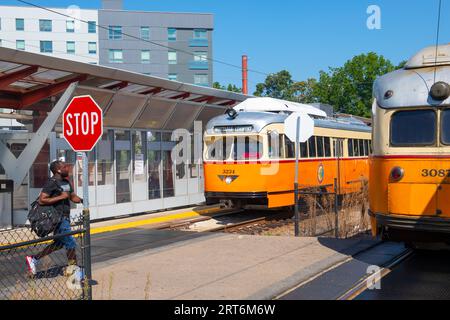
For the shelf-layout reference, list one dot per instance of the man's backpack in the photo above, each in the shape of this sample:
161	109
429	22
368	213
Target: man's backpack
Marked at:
43	219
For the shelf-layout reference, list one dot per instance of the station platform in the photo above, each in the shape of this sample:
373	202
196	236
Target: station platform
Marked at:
154	219
143	263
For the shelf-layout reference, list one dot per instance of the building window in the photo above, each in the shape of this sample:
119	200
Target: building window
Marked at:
70	26
201	79
115	56
172	34
20	44
200	34
145	33
92	27
70	45
115	32
145	56
46	46
172	57
201	56
45	25
173	77
20	24
92	47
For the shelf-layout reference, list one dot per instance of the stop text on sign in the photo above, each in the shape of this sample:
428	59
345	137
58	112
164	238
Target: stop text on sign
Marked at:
82	123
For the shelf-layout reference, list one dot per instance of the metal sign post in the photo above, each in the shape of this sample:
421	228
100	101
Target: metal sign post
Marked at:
87	226
297	156
298	127
82	129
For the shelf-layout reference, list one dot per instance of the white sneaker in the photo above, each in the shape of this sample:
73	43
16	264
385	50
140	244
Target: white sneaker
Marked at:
31	263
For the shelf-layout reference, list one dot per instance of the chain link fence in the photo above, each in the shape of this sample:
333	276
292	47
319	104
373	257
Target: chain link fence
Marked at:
55	277
334	211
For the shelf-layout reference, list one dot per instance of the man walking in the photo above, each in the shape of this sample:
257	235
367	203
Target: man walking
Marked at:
58	192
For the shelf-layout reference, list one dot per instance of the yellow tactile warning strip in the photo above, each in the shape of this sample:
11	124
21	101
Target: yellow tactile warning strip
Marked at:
156	220
152	221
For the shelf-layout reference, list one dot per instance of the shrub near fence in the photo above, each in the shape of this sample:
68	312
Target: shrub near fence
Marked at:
325	213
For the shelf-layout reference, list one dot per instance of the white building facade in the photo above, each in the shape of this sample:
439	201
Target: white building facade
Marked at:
45	32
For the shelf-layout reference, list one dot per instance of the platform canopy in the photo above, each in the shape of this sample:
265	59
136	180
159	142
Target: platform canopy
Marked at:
30	81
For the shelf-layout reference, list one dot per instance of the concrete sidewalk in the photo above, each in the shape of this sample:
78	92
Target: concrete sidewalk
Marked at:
221	266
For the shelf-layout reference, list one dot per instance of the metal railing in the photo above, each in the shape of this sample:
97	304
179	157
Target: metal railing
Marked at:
55	277
335	211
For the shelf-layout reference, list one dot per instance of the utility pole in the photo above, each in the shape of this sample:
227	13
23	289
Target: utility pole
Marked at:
244	74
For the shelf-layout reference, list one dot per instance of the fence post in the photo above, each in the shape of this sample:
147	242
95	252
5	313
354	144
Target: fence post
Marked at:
336	210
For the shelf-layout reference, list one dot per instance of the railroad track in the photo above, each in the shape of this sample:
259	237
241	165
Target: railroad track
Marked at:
229	222
362	281
365	282
180	225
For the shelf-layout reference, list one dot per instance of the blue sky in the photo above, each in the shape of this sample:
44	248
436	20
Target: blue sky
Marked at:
301	36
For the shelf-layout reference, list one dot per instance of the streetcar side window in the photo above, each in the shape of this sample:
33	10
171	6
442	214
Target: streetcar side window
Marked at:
312	147
327	144
320	148
304	150
413	128
355	148
350	148
290	148
366	147
362	151
445	127
276	145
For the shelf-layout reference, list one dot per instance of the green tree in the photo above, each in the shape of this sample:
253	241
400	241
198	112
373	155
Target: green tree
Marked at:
278	85
349	88
230	87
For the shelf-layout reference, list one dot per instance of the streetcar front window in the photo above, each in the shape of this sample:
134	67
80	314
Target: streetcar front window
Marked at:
248	148
445	127
413	128
234	148
219	149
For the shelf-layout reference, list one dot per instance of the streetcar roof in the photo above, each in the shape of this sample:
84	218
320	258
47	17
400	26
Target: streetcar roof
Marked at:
260	120
427	57
266	104
410	87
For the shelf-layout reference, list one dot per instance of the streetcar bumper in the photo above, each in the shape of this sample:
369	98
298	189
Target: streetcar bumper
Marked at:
407	223
256	198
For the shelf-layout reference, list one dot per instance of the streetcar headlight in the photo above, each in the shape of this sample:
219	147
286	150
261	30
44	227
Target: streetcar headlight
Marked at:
397	174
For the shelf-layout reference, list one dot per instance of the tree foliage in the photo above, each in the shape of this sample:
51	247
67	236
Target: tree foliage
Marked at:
230	87
347	88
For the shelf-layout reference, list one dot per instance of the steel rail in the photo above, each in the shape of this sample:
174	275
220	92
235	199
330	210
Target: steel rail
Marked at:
362	285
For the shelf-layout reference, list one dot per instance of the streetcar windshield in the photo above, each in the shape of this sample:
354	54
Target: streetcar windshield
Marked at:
234	148
247	148
413	128
219	148
445	127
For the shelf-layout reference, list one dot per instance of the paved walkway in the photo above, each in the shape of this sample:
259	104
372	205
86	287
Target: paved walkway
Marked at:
220	266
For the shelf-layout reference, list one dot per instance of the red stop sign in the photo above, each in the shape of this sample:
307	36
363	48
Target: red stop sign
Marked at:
82	123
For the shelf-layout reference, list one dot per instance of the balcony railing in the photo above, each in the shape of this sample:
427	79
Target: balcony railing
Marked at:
198	43
198	65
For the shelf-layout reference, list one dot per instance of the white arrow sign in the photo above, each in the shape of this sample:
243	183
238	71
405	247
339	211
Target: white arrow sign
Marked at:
306	127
